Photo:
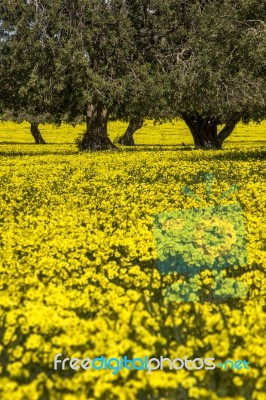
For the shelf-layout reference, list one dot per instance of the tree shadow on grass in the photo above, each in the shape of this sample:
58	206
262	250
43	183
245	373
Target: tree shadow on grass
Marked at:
12	154
241	155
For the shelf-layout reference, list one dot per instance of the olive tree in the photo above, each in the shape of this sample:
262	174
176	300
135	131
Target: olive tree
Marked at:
218	77
30	80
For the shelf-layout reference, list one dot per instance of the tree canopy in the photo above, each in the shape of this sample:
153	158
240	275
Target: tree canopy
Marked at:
203	61
218	76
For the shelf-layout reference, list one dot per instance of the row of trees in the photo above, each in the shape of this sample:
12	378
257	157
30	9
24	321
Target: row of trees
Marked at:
93	60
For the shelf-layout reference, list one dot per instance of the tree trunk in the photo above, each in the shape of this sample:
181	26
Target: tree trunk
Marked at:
228	128
34	128
96	137
127	139
205	132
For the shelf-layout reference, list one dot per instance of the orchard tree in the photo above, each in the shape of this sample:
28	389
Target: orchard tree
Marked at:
65	60
143	85
145	99
219	72
156	33
99	52
203	61
114	73
31	82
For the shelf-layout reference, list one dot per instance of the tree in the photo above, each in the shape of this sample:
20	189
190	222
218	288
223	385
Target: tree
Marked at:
114	73
153	22
34	128
219	73
139	105
144	99
66	60
133	126
100	51
129	59
30	85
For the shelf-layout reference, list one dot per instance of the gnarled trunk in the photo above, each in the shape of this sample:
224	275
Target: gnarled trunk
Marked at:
205	130
228	128
34	128
127	139
96	137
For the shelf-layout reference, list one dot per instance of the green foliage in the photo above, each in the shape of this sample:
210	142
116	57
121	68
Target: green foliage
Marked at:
31	85
220	68
157	59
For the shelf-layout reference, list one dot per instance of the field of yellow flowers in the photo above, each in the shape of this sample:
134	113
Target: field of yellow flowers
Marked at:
78	265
